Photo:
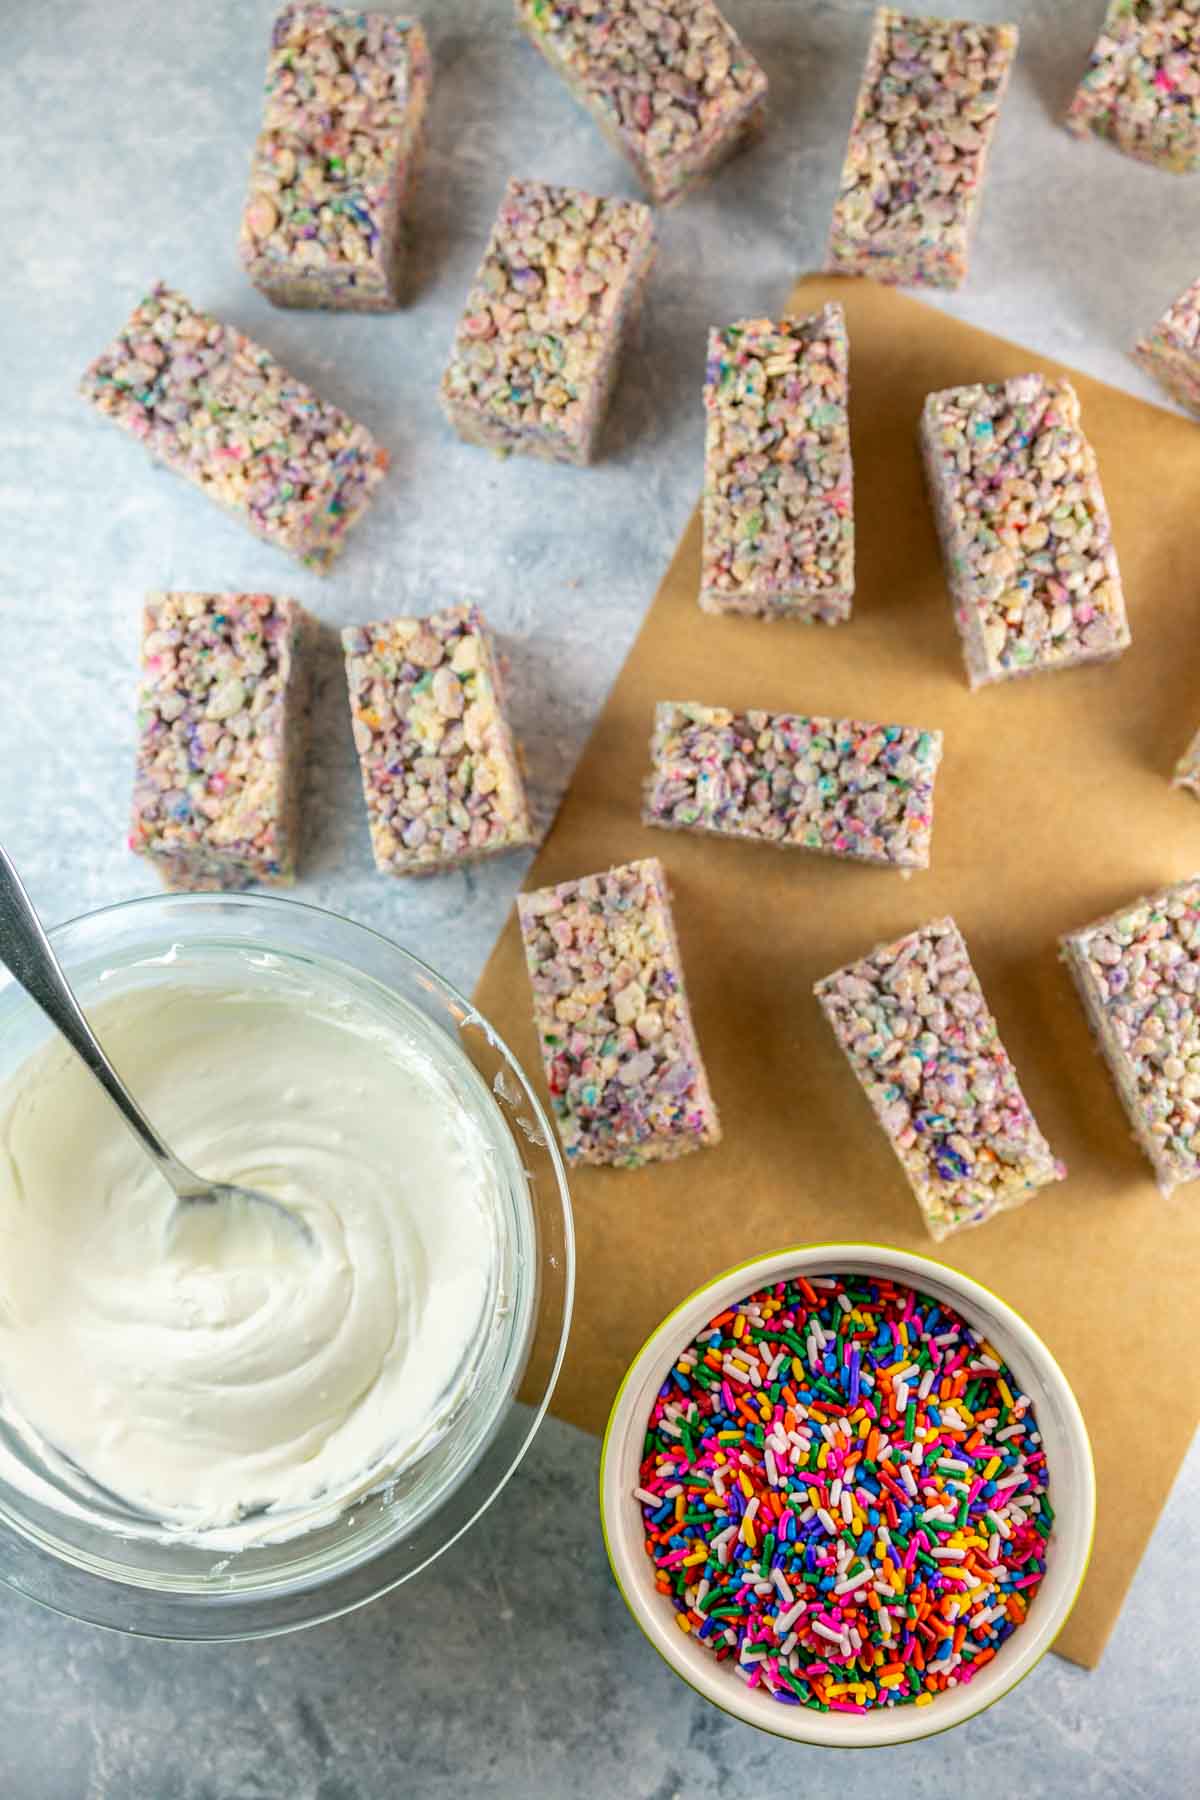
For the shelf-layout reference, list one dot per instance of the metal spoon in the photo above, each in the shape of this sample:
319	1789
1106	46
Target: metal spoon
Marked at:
26	953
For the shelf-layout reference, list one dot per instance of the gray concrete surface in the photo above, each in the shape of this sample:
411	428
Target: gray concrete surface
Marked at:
510	1668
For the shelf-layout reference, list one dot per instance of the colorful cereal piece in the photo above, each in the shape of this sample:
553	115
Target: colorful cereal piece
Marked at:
536	351
218	409
440	771
845	1495
841	786
1025	532
1136	972
1170	350
333	166
924	122
918	1032
671	86
222	732
627	1083
1141	88
778	484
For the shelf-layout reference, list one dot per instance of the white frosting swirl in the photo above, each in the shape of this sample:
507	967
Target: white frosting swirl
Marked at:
216	1368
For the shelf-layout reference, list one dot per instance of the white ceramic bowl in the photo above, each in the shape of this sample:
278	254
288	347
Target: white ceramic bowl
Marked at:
1072	1487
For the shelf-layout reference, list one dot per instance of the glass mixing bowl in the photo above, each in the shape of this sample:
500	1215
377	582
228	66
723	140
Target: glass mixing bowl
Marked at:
110	1566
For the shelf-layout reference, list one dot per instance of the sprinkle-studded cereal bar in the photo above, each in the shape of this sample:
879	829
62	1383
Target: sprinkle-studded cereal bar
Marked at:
440	771
1170	350
1139	979
837	785
627	1084
218	409
334	162
1141	88
222	736
914	1024
536	350
778	484
1025	531
919	141
670	85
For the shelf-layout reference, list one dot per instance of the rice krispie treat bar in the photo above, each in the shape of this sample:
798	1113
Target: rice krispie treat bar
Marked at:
222	736
1170	350
842	786
778	485
627	1083
1141	88
919	141
917	1031
440	771
217	408
1138	975
1025	531
536	350
334	163
670	85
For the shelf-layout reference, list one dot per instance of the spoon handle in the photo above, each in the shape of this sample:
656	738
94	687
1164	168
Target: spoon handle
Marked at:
26	953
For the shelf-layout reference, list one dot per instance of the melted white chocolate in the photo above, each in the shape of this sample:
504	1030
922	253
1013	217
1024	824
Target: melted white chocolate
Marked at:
214	1367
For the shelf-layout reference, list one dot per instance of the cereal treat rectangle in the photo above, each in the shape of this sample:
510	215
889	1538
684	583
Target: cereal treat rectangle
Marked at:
917	1031
335	159
1025	531
671	86
778	483
1138	975
841	786
627	1083
217	408
919	142
1141	88
440	770
536	351
222	738
1170	350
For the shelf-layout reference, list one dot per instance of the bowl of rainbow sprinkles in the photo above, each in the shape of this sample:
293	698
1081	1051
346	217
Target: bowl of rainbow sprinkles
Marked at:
848	1494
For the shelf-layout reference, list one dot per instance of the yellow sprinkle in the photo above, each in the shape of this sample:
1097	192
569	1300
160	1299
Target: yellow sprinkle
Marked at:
748	1533
797	1368
991	1468
1006	1394
680	1506
747	1486
921	1699
814	1497
685	1624
697	1556
891	1681
823	1456
739	1325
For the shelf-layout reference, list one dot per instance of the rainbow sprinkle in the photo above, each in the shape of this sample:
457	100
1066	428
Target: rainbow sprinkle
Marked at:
844	1494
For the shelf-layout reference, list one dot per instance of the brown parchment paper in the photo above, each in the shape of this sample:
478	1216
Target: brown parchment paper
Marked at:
1052	807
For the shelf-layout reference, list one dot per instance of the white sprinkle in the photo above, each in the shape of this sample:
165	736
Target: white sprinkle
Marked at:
825	1631
785	1621
772	1470
827	1521
835	1492
647	1498
847	1508
788	1646
850	1582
